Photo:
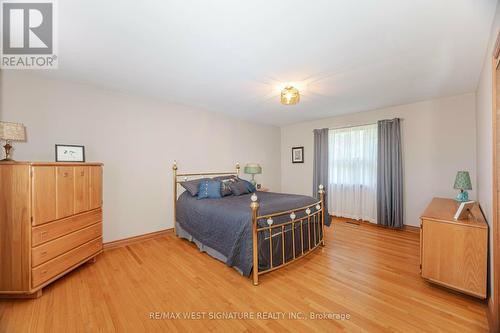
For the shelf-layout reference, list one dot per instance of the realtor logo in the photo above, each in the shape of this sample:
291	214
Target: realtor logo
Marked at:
28	32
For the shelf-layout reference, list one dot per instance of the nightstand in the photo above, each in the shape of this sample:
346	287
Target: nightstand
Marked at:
263	189
454	253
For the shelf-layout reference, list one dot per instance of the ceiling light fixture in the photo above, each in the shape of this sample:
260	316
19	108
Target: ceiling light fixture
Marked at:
290	96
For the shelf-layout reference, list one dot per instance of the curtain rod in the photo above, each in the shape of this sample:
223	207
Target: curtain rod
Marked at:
342	127
336	128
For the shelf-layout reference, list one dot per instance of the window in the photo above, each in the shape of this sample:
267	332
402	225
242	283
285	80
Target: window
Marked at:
352	169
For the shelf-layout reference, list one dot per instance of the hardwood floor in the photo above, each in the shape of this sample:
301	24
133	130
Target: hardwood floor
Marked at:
370	274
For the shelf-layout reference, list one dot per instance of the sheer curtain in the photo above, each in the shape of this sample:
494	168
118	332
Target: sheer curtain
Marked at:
352	172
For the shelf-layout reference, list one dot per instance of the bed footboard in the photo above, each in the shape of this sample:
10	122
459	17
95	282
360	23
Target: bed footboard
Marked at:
311	235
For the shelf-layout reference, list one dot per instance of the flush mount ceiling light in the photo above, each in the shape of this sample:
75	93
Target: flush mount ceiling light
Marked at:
290	96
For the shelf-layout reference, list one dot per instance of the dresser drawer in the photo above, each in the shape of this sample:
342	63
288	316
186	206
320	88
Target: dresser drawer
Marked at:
65	261
52	249
50	231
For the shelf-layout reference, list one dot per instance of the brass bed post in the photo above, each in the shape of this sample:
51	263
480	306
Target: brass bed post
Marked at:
255	207
238	169
174	169
323	213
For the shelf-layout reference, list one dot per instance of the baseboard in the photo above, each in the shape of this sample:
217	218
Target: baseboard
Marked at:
409	228
135	239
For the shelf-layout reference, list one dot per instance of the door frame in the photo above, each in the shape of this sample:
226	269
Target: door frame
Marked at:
493	302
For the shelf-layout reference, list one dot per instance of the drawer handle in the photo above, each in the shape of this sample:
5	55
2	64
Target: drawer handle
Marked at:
44	253
82	173
65	174
44	272
43	233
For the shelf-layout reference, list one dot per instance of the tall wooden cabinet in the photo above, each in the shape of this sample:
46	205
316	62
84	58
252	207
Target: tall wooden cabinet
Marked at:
454	253
50	222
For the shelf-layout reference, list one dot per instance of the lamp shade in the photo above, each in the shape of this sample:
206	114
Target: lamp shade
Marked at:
253	169
12	131
462	181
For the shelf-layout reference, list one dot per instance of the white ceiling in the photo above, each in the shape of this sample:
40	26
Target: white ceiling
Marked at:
234	56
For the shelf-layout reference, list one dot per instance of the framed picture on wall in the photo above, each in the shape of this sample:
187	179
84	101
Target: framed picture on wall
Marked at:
297	154
70	153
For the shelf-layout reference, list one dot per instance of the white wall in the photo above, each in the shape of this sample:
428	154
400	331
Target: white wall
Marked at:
484	107
137	139
438	139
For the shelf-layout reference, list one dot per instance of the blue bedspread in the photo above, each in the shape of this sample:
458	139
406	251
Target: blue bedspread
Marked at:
226	224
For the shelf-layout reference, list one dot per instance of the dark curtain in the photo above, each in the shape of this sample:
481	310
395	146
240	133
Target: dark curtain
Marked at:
320	166
389	174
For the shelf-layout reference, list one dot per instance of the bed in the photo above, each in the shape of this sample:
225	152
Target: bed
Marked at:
254	233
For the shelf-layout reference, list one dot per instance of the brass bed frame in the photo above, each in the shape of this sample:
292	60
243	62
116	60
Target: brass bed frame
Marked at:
314	215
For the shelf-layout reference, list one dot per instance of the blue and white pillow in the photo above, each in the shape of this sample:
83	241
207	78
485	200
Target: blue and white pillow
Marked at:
210	189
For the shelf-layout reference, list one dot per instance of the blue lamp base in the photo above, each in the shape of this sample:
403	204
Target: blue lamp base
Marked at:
254	183
462	196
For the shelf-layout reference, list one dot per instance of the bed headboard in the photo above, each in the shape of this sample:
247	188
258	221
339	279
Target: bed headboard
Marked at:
181	177
188	175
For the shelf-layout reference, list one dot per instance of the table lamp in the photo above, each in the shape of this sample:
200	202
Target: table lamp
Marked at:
462	183
253	169
11	132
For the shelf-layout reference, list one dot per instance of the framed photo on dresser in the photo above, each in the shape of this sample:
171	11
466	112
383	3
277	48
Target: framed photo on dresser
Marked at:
70	153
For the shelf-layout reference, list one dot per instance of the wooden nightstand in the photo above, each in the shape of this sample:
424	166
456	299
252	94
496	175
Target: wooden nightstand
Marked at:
454	253
263	189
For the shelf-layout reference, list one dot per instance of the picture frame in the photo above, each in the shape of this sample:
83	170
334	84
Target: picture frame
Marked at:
463	210
298	154
70	153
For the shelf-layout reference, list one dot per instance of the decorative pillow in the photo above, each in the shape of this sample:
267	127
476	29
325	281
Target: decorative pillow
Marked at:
239	188
225	190
210	189
251	188
192	186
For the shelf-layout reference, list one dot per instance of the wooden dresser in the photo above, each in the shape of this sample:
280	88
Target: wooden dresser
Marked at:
454	253
50	222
